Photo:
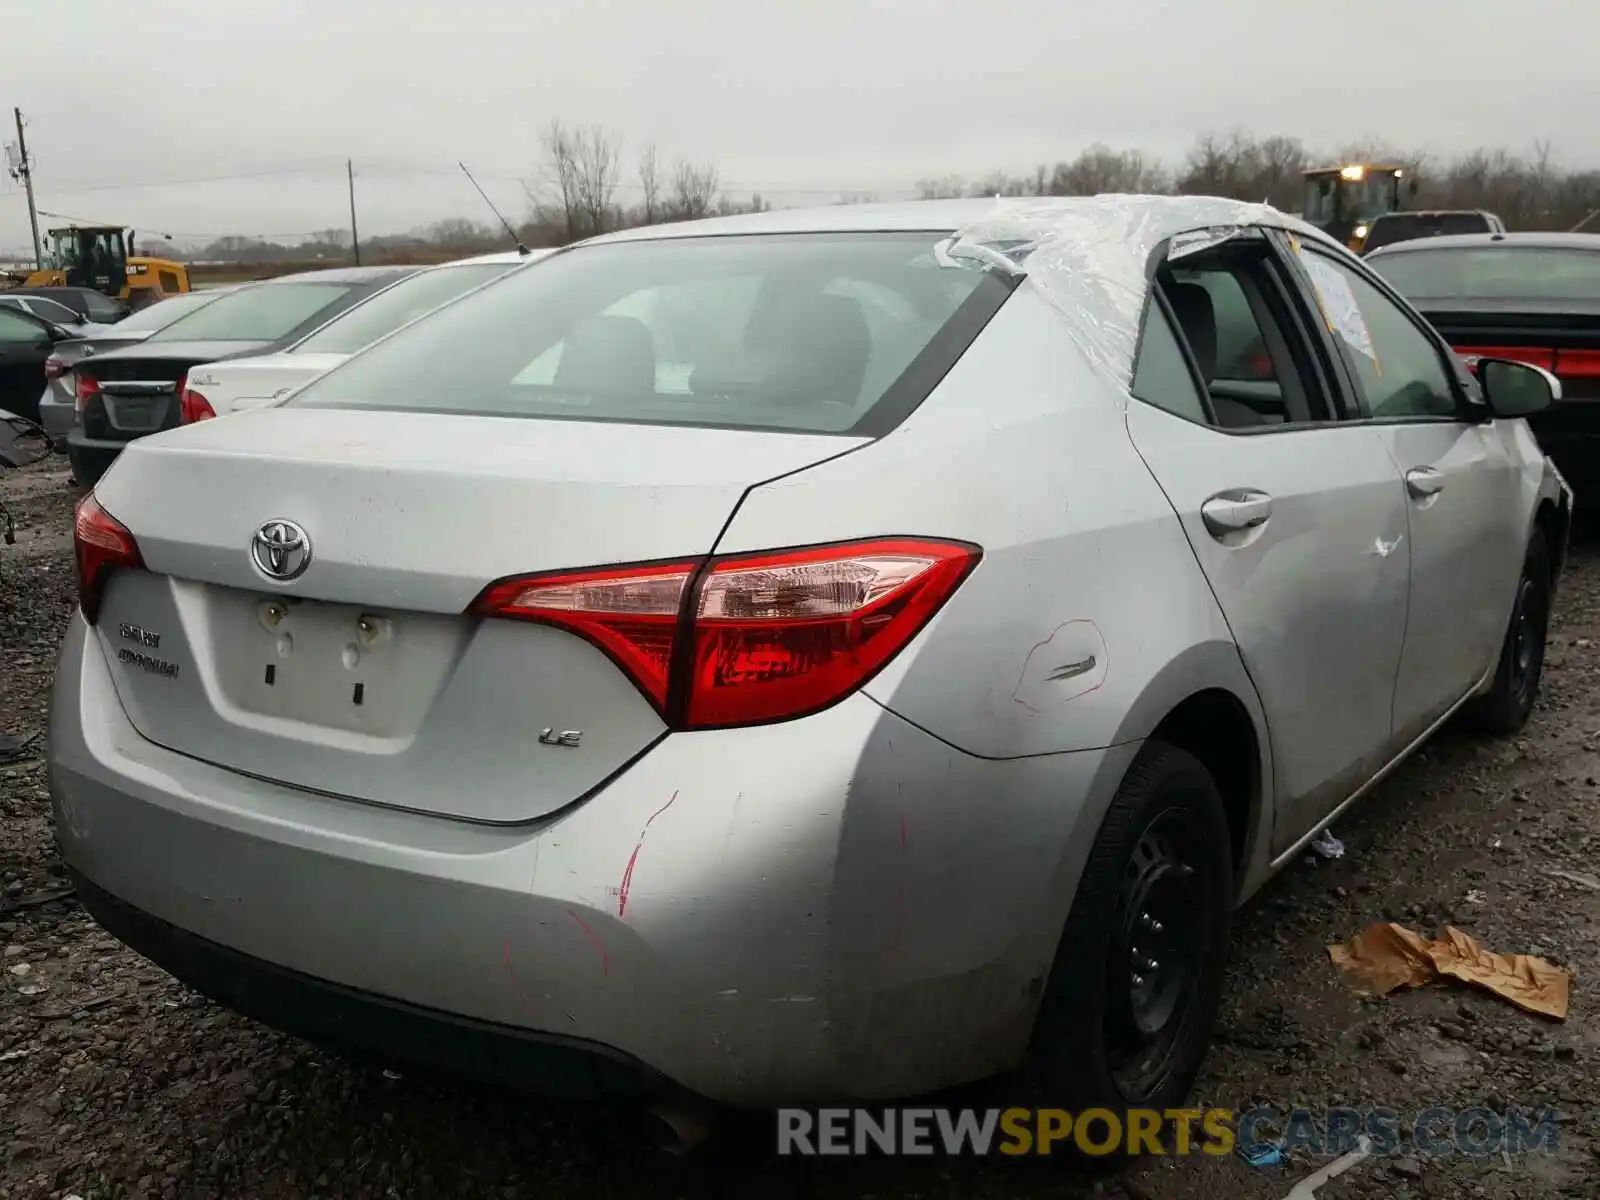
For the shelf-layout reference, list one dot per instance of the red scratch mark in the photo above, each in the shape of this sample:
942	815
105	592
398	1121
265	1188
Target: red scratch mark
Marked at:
605	960
512	971
1022	675
633	859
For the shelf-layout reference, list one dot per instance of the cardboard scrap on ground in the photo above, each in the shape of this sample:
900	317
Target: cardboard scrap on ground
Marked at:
1386	957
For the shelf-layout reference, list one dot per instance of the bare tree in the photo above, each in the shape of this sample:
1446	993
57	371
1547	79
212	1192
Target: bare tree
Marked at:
694	190
650	183
945	187
562	160
1100	169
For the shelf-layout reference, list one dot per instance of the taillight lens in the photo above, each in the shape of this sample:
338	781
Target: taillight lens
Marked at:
87	388
102	544
629	612
54	368
751	638
192	406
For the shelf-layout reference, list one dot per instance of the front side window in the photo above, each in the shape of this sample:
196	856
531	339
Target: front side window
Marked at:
16	330
802	332
263	313
1399	369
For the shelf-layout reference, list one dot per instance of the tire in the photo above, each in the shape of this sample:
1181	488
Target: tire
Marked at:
1165	839
1504	709
86	472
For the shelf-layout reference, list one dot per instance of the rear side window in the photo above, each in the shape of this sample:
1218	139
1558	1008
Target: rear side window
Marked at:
820	333
102	308
262	313
398	305
1502	272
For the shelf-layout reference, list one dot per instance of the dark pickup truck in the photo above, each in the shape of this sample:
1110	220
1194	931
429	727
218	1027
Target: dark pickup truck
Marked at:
1534	297
1409	226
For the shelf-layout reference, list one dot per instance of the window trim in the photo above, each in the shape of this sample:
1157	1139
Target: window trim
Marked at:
1279	294
1466	411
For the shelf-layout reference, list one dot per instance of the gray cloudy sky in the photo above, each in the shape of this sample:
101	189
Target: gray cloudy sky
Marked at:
793	99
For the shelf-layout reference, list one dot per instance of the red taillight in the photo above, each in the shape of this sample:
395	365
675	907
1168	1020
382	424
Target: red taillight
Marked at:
87	388
764	637
54	368
1578	364
192	406
102	545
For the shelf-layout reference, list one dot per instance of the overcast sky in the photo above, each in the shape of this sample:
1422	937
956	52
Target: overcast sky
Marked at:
796	99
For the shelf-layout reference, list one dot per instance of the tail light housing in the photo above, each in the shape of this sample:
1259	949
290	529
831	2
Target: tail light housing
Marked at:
101	545
86	389
748	639
54	368
192	405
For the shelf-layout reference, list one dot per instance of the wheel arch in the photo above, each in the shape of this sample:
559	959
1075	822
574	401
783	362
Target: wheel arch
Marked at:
1204	702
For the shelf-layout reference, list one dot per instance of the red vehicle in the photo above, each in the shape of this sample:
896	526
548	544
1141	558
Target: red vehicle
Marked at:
1534	297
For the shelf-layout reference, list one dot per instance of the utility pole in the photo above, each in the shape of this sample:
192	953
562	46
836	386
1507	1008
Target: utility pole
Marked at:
355	238
24	172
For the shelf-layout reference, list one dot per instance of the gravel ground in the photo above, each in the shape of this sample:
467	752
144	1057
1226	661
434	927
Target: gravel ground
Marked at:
117	1081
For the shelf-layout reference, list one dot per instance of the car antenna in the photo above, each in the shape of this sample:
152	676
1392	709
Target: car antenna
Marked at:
521	249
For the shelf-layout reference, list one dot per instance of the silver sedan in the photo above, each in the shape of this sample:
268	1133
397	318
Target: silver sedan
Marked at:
805	655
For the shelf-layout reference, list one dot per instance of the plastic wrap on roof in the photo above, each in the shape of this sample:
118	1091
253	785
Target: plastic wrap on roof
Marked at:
1088	255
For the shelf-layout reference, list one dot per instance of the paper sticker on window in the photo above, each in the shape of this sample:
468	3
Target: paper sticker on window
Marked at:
1339	304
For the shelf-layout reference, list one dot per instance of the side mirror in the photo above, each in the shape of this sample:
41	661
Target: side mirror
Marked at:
60	333
1516	389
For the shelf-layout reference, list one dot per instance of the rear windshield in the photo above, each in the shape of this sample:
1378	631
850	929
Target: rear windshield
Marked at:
1492	273
796	332
1388	230
165	312
262	313
393	307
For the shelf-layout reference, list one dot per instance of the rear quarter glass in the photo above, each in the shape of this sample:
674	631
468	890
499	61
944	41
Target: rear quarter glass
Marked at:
813	333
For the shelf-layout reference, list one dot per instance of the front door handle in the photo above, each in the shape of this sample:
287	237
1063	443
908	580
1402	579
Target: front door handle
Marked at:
1423	482
1235	511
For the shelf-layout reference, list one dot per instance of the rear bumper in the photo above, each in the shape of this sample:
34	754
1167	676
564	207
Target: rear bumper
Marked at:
388	1029
841	907
95	452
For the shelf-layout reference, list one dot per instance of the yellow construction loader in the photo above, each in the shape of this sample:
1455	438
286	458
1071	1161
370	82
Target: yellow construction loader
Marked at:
97	256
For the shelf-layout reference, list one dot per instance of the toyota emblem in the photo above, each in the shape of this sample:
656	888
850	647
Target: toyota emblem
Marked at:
281	550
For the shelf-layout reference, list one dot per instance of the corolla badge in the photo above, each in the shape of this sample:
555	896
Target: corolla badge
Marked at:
281	550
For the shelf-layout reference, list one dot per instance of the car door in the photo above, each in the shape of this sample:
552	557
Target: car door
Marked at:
1296	517
25	343
1465	518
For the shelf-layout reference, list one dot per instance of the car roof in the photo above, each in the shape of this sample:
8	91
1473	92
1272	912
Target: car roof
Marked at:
499	256
383	274
1462	241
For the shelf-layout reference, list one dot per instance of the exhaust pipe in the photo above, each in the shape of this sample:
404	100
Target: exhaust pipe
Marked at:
677	1129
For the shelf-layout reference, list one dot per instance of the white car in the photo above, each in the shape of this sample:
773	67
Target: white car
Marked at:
235	385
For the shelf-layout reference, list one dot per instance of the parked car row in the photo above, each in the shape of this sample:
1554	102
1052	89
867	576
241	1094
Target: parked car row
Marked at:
790	657
102	386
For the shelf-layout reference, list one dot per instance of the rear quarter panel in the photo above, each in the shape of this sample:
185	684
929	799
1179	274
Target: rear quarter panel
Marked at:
1022	449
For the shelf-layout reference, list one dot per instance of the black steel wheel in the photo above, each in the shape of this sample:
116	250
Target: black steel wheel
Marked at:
1127	1011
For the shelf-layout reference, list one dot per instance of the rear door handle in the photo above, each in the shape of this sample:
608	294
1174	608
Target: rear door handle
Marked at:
1235	511
1423	482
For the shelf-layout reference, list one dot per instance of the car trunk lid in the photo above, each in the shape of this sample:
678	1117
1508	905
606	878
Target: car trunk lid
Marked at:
138	390
362	677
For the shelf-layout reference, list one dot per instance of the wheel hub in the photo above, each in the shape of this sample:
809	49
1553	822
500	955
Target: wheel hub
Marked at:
1155	955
